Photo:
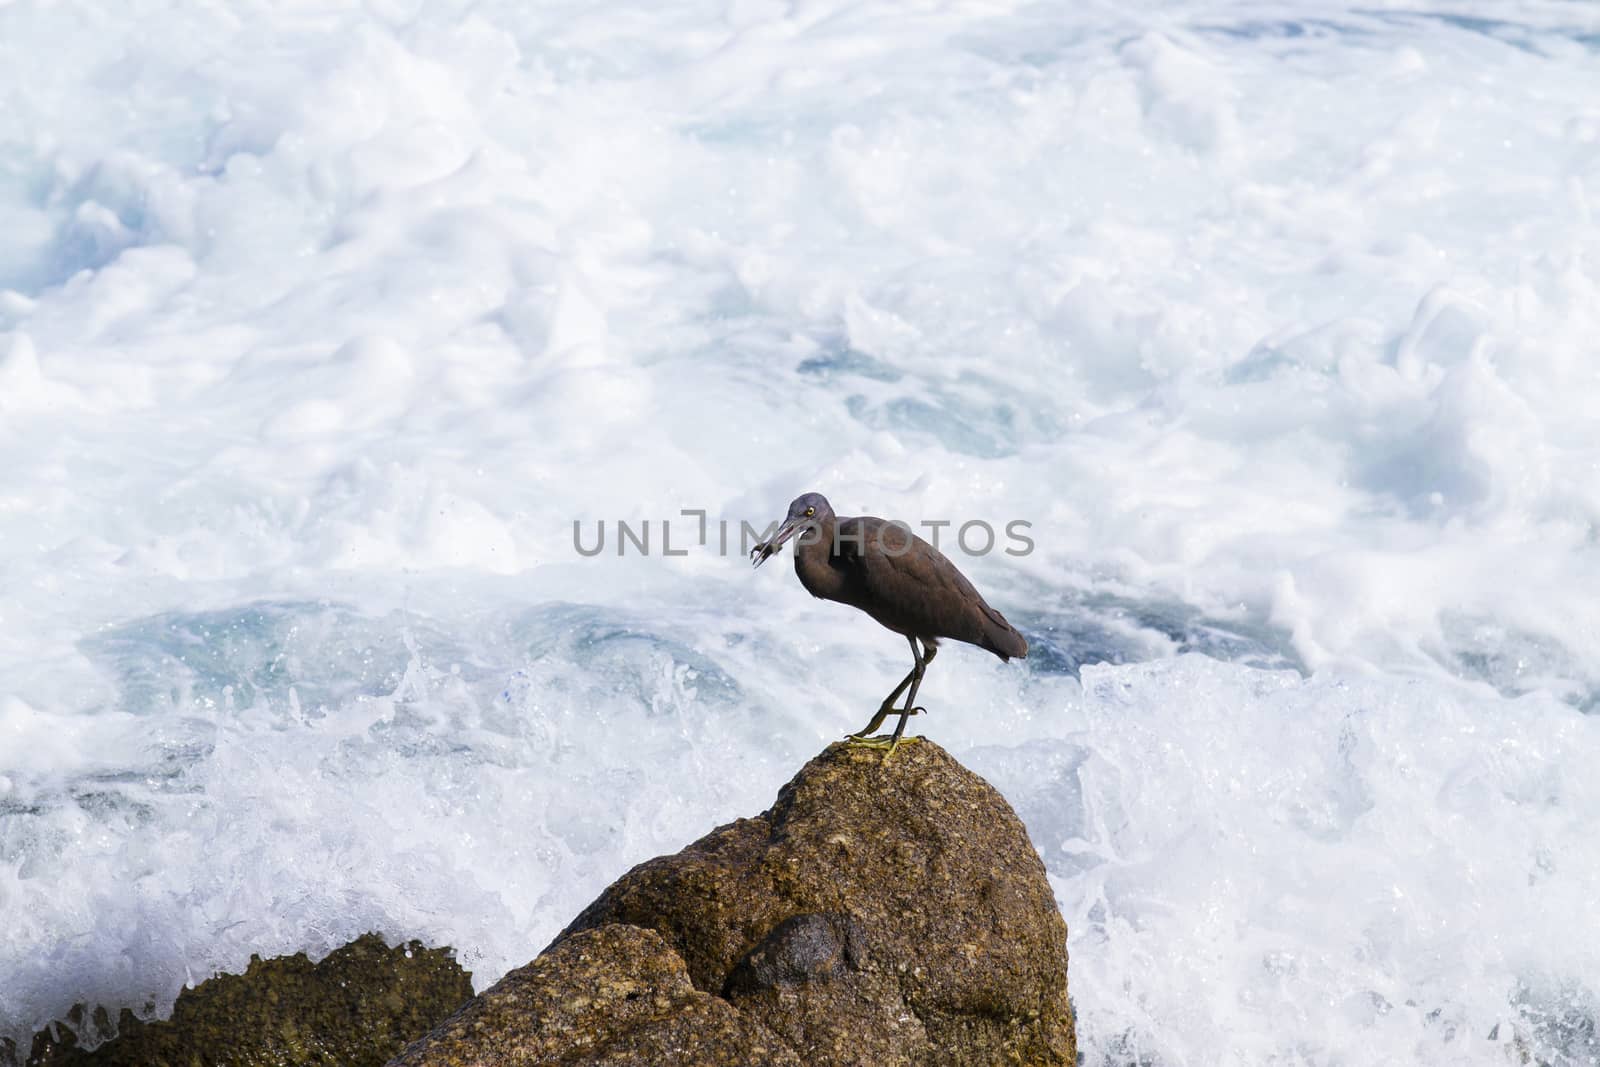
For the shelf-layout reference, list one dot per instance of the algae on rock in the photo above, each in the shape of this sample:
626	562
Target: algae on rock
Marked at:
356	1008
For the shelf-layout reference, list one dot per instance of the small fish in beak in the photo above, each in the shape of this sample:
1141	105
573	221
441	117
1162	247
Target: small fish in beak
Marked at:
766	549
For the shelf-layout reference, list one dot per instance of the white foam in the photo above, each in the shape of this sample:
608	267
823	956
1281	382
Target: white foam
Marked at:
1254	863
319	329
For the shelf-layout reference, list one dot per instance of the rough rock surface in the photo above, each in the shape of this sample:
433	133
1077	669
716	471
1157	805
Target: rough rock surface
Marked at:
882	912
613	995
356	1008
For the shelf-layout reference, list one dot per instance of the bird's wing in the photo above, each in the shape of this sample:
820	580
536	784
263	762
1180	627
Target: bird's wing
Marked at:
909	585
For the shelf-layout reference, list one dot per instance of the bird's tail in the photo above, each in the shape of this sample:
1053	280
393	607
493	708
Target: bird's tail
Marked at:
1000	637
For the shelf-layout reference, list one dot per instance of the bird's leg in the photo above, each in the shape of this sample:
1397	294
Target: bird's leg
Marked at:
888	702
913	680
928	652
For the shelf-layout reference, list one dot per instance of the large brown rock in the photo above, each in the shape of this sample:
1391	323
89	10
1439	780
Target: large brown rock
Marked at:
356	1008
882	912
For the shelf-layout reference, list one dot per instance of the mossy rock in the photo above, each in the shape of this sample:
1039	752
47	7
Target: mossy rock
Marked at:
356	1008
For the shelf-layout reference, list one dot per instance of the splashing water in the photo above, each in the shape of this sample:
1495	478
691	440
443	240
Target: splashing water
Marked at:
319	329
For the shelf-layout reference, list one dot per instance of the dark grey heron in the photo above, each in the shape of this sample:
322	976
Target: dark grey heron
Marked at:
900	580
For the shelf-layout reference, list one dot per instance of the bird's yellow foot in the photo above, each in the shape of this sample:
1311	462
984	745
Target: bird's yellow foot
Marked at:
885	742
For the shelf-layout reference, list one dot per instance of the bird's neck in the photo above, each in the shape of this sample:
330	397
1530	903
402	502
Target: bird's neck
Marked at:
812	551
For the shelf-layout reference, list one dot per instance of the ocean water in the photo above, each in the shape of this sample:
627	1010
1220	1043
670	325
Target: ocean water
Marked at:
321	324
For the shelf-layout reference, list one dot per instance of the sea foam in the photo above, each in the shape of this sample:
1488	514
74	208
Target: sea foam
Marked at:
320	327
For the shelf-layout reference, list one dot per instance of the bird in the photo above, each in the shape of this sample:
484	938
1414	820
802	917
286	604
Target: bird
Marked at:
899	579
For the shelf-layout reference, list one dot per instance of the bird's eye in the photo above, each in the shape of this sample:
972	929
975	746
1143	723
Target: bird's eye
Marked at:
810	512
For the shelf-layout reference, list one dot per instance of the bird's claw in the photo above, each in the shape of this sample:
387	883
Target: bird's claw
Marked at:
887	743
886	712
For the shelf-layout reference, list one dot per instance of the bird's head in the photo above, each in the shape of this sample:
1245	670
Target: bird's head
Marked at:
808	512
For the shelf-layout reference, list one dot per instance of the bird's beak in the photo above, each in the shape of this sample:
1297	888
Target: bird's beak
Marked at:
793	525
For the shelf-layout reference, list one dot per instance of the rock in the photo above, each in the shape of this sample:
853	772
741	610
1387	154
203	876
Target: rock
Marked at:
880	913
805	948
356	1008
610	996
